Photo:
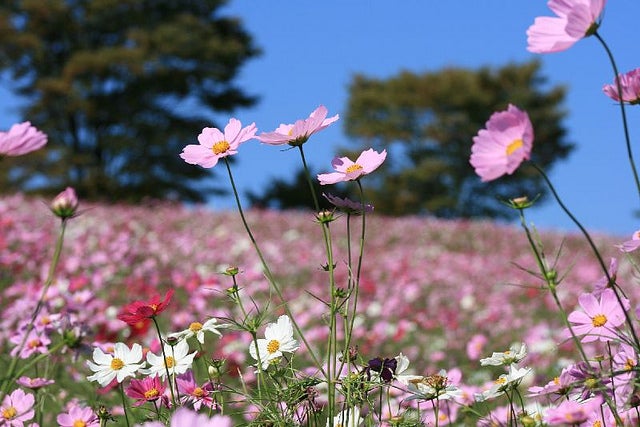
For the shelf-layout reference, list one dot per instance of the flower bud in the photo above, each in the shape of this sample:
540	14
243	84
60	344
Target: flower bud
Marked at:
65	204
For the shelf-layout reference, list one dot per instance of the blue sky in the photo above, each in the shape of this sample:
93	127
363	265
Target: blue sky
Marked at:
312	49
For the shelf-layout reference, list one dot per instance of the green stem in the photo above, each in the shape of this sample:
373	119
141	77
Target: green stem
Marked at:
616	291
622	110
52	268
267	270
164	357
124	404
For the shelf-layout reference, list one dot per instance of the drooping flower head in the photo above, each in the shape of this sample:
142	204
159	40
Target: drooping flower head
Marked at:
599	318
503	145
299	132
278	339
347	205
632	244
575	20
214	144
22	138
629	87
139	311
348	170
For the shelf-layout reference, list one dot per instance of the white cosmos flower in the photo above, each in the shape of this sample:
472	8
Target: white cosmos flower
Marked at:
515	354
403	365
178	360
278	339
350	417
504	382
123	363
197	329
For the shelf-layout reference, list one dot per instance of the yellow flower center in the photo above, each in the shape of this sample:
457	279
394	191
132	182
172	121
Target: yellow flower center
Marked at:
597	423
169	362
630	364
117	364
34	343
501	380
273	346
150	394
79	423
354	168
556	380
9	413
599	320
220	147
195	326
198	392
515	145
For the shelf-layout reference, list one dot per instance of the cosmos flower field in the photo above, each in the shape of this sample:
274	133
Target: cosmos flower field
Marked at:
428	286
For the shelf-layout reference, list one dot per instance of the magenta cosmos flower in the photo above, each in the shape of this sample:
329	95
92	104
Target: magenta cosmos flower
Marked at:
348	170
299	132
504	144
148	389
16	408
214	144
21	139
575	19
599	318
629	86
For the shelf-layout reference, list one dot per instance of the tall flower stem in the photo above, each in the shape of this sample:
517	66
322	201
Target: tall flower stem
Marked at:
267	270
124	404
622	110
9	377
596	252
332	353
164	357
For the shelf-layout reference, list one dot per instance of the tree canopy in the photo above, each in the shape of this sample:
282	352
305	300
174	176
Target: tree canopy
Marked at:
120	86
427	121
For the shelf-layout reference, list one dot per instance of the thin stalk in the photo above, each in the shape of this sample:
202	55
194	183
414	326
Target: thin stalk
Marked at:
622	110
267	270
616	291
49	280
164	357
124	404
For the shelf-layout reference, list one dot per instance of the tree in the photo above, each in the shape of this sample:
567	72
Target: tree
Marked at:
427	122
120	86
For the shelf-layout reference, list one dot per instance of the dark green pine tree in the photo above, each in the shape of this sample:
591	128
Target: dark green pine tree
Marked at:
120	86
427	121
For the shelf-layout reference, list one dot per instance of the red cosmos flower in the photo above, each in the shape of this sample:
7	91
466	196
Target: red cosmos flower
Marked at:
138	311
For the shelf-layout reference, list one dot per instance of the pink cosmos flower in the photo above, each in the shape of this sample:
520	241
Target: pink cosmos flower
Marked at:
572	413
36	343
184	417
21	139
575	20
16	408
348	170
347	205
631	245
299	132
599	318
33	383
629	85
191	392
504	144
65	204
78	416
214	144
148	389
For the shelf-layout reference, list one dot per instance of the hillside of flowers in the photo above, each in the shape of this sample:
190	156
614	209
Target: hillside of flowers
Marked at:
443	293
